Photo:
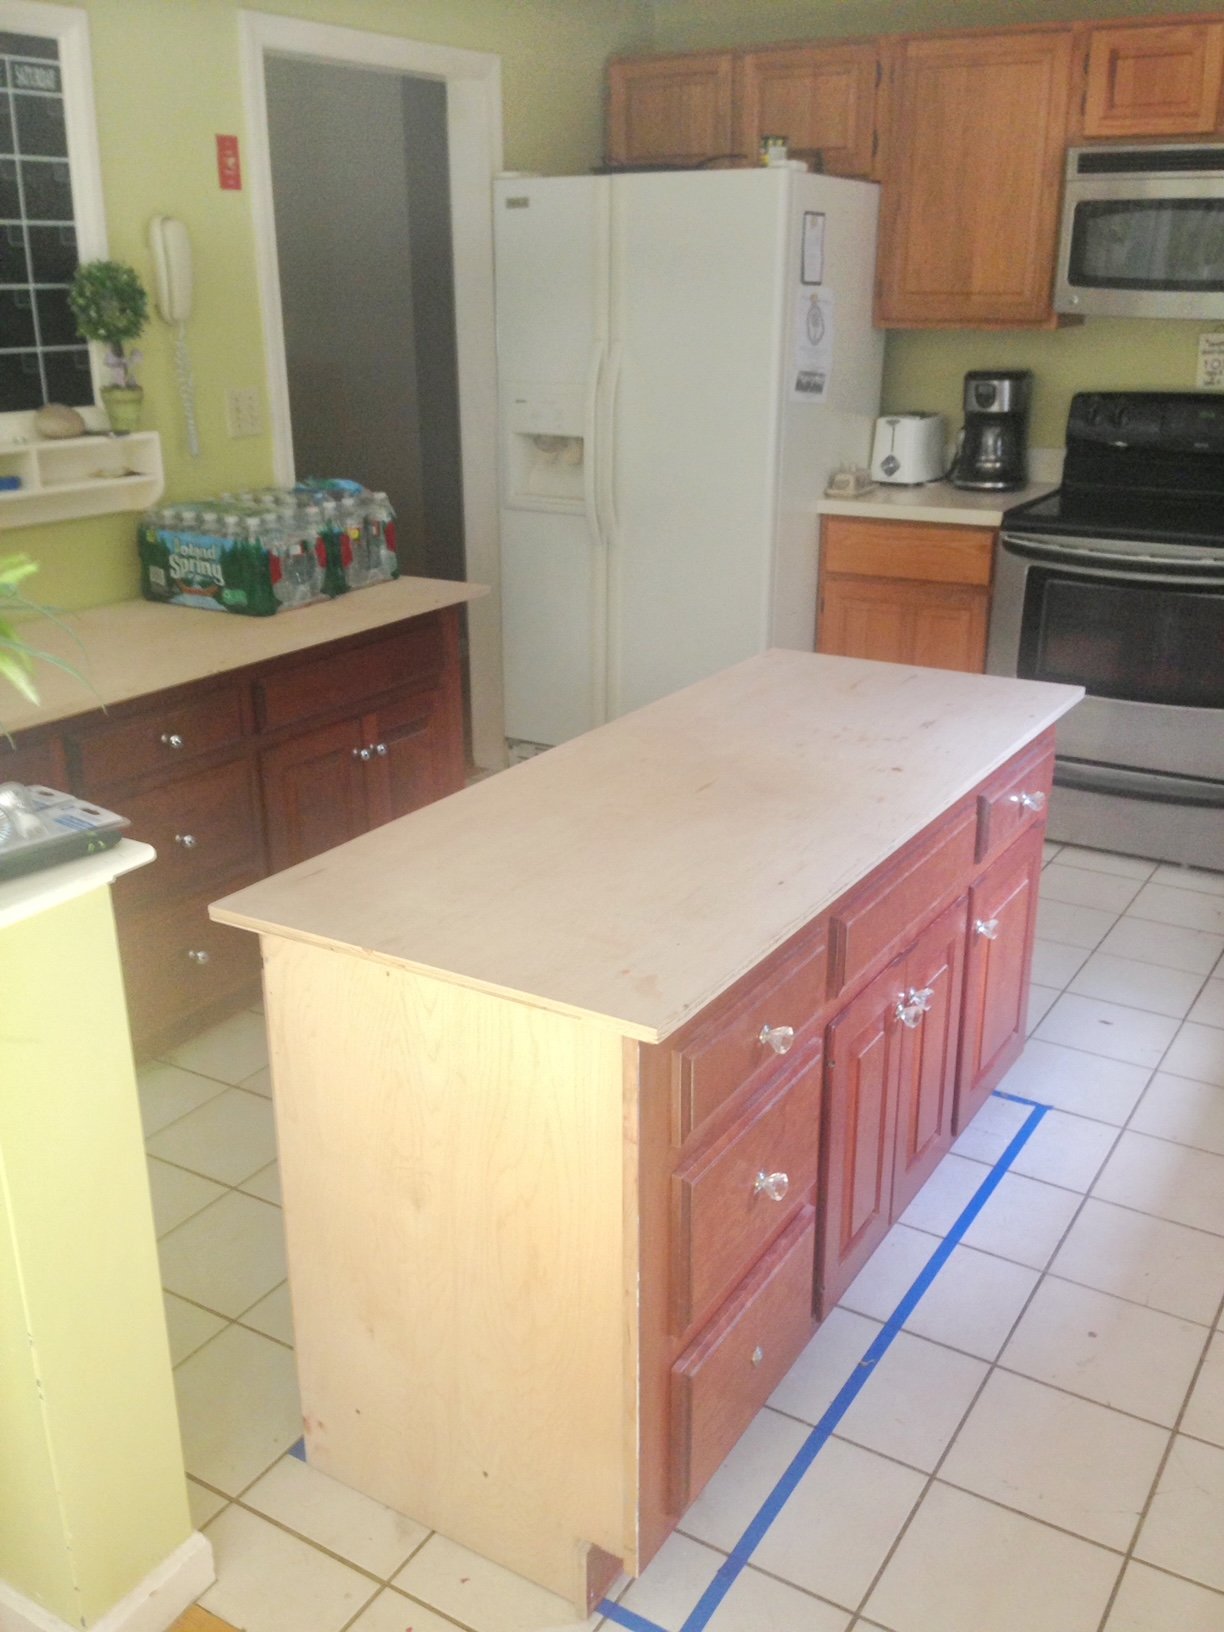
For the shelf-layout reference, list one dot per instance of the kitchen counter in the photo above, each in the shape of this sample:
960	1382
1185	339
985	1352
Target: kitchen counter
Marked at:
135	648
635	873
934	502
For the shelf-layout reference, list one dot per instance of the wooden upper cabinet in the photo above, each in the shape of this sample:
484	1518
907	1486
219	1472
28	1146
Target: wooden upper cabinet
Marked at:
671	110
1154	79
821	98
973	170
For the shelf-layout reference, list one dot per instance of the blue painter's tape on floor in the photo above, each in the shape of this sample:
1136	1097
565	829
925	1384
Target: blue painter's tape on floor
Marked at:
299	1450
744	1548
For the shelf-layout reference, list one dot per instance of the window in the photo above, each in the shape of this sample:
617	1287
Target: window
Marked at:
50	206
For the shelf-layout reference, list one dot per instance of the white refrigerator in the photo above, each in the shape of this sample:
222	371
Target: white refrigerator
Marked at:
683	358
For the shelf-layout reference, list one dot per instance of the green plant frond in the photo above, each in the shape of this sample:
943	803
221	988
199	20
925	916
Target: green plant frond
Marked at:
15	667
13	570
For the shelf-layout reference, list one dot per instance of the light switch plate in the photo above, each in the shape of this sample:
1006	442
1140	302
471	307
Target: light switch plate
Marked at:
243	411
1210	375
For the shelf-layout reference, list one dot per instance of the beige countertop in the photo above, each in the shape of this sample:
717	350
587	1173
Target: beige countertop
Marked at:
633	874
133	648
934	501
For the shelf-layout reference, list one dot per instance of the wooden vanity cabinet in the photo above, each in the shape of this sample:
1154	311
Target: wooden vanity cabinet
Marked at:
972	179
905	592
821	98
1152	79
670	109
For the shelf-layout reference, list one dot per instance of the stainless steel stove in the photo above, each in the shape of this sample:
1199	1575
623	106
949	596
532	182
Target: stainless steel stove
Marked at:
1116	582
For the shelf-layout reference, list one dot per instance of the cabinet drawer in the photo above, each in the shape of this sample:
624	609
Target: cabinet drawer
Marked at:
723	1379
29	762
915	550
158	740
203	827
870	920
351	678
1014	798
731	1198
165	977
728	1047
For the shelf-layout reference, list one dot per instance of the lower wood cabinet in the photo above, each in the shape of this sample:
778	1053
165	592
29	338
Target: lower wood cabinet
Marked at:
905	592
246	773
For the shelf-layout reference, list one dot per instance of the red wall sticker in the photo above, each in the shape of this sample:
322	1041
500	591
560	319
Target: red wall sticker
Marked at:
229	166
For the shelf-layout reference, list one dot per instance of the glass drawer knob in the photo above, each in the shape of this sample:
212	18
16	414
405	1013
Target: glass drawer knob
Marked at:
361	753
779	1038
758	1354
773	1185
198	957
187	840
171	739
987	927
1027	801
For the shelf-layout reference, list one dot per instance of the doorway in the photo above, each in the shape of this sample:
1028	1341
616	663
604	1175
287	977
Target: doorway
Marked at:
371	161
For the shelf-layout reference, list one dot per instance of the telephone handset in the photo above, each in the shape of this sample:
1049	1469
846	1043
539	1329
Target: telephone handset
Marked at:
170	247
171	250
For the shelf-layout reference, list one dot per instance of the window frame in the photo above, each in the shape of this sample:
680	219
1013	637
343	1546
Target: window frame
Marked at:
68	26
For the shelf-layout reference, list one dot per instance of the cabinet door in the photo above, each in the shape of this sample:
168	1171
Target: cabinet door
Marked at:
410	756
1002	915
821	98
1154	80
972	180
862	1052
937	626
934	970
42	762
675	110
315	792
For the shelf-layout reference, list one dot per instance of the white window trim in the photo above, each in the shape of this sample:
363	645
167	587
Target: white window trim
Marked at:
69	27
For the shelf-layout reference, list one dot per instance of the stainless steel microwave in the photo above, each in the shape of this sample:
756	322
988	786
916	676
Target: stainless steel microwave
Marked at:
1143	232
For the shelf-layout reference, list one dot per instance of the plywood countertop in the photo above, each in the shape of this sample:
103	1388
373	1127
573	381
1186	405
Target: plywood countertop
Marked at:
134	648
933	502
635	873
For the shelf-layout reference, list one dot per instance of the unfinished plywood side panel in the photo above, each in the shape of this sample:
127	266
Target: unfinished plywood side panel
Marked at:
452	1174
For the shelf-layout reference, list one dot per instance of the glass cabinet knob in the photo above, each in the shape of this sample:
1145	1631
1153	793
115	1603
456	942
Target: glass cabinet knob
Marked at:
171	739
779	1038
987	927
773	1185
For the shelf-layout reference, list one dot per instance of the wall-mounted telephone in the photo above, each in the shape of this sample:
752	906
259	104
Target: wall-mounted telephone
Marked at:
170	247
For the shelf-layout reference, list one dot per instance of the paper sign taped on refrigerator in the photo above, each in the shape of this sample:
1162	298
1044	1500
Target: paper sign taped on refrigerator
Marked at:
813	360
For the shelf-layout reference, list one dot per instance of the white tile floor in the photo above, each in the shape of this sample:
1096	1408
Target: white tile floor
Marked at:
1040	1450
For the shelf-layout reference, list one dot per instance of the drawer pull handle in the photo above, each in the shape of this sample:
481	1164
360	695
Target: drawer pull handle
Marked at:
773	1185
380	748
987	927
198	957
171	739
779	1038
910	1009
1027	801
361	753
187	840
758	1354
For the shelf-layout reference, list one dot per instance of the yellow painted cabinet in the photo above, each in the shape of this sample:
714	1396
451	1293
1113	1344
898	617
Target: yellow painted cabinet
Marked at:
972	179
821	98
1153	79
670	110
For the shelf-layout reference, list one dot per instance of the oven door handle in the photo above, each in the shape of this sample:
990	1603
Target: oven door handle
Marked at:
1153	785
1106	564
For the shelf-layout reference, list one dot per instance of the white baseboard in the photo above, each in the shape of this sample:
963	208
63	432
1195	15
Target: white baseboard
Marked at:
152	1606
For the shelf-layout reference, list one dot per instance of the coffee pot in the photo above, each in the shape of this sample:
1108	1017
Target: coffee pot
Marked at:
990	448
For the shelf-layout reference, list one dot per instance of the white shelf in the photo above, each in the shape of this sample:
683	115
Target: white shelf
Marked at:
80	476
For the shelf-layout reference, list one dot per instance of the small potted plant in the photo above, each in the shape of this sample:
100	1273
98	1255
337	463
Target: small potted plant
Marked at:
110	305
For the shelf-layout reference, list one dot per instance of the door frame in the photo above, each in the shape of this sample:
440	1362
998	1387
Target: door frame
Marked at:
474	135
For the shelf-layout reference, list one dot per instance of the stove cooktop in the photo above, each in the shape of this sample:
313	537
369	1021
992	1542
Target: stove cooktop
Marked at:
1196	522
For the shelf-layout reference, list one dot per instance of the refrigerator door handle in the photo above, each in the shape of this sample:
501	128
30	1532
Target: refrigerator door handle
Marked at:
590	447
606	461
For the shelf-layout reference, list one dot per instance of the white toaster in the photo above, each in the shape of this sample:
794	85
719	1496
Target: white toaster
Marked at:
909	448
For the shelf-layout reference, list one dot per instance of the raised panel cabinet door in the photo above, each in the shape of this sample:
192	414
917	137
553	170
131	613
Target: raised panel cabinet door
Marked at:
948	628
1161	79
670	109
821	98
1002	916
316	792
972	180
860	617
410	756
862	1060
933	975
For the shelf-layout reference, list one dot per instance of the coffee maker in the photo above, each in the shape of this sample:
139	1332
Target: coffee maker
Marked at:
990	448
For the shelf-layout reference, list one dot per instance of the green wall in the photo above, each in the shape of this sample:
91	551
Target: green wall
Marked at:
166	82
926	368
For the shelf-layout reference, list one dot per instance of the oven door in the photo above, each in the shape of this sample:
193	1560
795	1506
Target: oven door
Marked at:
1141	628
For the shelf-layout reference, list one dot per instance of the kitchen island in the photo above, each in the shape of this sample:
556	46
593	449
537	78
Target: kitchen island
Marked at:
597	1082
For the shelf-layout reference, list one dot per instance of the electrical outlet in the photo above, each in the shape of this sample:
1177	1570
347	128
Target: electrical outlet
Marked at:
1210	376
243	411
